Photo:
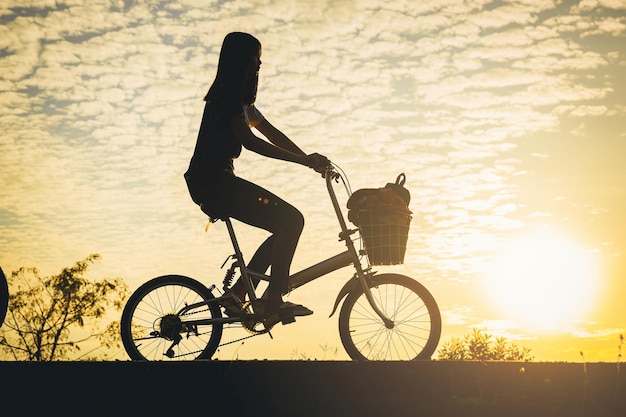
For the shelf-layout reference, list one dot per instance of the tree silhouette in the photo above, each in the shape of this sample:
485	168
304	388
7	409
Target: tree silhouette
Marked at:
43	311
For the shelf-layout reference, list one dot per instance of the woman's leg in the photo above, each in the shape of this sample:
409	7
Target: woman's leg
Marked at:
254	205
262	258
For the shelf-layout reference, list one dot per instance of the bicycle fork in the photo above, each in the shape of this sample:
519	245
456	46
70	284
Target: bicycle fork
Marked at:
370	298
345	236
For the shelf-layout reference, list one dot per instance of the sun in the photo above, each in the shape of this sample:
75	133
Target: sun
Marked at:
543	280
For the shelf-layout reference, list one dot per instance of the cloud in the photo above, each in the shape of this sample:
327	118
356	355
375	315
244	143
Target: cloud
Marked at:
589	5
100	106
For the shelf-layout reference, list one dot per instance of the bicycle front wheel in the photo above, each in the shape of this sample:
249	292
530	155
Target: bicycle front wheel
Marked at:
417	321
151	323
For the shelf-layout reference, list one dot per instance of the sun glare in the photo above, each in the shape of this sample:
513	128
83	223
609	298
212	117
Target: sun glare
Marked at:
543	280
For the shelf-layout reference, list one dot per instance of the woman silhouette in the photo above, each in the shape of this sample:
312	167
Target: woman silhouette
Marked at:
229	115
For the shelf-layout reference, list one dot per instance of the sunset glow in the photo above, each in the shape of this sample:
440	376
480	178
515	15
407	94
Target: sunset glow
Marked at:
544	281
507	117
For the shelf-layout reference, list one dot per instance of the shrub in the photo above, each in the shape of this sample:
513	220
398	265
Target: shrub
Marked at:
479	346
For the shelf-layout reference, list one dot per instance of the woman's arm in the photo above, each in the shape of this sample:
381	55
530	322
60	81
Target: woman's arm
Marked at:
281	147
255	144
277	137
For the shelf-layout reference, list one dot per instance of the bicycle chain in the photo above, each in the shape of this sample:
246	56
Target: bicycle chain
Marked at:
240	339
249	329
221	345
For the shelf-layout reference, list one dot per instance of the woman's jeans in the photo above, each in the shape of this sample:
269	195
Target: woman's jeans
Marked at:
231	196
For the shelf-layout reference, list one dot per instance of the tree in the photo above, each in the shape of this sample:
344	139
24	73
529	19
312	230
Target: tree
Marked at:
479	346
45	314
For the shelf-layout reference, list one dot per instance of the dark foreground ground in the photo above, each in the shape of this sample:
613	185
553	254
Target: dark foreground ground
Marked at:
313	388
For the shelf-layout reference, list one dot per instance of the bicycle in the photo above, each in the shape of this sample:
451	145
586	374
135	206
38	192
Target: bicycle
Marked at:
4	296
384	316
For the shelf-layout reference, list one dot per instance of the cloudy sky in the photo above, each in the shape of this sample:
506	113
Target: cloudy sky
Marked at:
507	117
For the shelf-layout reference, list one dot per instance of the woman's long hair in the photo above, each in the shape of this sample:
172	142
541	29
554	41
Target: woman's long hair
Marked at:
233	75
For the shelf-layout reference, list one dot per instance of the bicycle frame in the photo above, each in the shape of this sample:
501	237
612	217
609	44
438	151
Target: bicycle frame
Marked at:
341	260
311	273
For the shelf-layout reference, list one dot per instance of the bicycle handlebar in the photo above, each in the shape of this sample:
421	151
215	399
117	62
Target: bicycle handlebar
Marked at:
330	171
330	174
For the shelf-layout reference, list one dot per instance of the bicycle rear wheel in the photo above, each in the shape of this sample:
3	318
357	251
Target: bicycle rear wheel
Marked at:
150	321
416	317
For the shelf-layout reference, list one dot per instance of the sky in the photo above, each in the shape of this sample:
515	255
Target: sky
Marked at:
508	119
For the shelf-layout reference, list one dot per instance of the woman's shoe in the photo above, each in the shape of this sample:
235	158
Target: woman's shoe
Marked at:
286	313
296	309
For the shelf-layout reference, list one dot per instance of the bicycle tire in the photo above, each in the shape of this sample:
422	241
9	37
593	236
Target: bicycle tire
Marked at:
417	321
4	296
142	320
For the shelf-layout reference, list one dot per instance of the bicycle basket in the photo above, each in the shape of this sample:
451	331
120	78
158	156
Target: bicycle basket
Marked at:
385	234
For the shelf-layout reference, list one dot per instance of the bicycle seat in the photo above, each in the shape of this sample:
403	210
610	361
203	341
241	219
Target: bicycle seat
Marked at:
213	217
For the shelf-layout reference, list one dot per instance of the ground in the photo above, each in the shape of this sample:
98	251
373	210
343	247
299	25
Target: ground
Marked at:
315	388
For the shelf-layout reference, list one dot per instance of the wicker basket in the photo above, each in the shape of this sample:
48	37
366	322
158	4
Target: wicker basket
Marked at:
385	233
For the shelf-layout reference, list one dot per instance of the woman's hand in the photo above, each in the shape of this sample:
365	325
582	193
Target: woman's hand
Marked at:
317	162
